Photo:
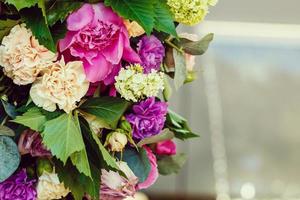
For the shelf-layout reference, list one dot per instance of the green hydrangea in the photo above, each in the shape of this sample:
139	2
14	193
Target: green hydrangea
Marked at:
190	12
134	85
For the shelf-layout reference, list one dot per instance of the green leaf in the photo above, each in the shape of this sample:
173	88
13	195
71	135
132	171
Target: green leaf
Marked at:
34	20
4	130
179	126
9	109
166	134
167	92
170	164
33	119
5	26
138	162
63	137
141	11
78	183
19	4
195	47
163	18
58	31
180	69
108	109
60	9
9	157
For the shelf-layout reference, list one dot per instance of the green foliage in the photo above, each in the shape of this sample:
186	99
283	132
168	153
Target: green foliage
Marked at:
180	69
5	26
19	4
9	157
179	126
195	47
33	119
167	92
108	109
80	160
166	134
9	109
58	10
170	164
63	137
4	130
138	162
58	31
35	20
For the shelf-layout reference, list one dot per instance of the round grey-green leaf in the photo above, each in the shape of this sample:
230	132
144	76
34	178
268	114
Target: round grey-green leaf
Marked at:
9	157
4	130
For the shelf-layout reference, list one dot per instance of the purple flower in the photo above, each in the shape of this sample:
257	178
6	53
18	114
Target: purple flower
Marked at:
148	118
17	187
151	52
31	142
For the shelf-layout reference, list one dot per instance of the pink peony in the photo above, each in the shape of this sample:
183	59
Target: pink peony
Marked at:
97	36
153	175
167	147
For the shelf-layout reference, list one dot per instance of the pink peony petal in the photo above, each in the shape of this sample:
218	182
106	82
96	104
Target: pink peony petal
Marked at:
153	175
114	52
129	54
80	18
67	41
103	13
98	70
110	79
167	147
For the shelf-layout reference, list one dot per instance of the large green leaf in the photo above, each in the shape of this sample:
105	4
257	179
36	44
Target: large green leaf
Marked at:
163	18
5	26
19	4
170	164
33	119
180	69
138	162
108	109
4	130
35	20
166	134
58	10
63	137
141	11
9	157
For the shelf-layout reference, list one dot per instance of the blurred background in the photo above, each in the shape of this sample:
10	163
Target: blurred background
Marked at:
245	105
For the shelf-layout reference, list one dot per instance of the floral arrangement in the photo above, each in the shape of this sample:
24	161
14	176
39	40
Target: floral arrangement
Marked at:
84	89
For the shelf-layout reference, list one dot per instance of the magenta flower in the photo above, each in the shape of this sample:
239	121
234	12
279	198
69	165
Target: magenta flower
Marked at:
151	52
31	142
153	174
148	118
167	147
17	187
97	36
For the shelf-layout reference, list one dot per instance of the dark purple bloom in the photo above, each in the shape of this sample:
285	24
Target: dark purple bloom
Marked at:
17	187
151	52
148	118
31	142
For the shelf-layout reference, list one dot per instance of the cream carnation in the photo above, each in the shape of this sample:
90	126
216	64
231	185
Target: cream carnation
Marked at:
49	187
21	56
61	84
133	85
190	12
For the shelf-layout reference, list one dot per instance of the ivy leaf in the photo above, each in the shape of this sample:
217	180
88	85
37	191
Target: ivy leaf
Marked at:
170	164
63	137
108	109
141	11
5	26
60	9
166	134
22	4
9	157
4	130
195	47
34	20
180	69
138	162
33	119
163	18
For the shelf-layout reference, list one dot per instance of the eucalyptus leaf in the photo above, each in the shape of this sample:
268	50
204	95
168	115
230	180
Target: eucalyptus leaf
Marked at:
9	157
180	69
9	109
166	134
170	164
4	130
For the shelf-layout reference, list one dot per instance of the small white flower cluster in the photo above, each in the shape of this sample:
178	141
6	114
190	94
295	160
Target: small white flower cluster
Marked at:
134	85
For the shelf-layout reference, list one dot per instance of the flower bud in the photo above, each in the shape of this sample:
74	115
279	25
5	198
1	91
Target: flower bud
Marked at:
117	141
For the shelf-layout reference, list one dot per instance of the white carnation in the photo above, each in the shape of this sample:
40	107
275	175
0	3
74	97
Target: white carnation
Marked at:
49	187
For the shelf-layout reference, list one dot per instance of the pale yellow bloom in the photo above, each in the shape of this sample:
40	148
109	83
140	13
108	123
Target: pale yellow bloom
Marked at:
133	28
61	84
22	57
49	187
117	141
